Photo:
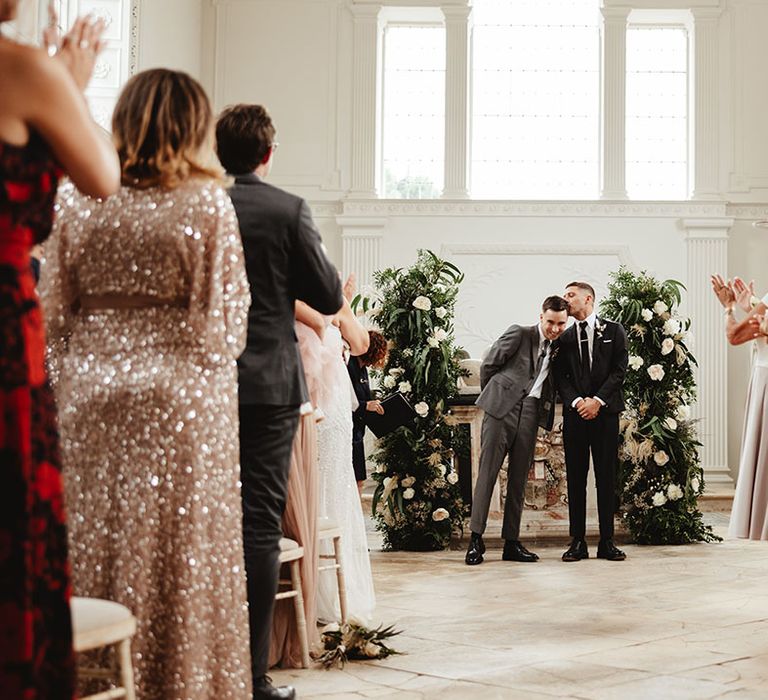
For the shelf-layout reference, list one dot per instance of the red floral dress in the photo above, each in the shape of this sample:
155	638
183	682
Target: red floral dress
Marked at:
36	659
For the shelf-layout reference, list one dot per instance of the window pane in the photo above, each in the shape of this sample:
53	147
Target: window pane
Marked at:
414	112
657	113
536	99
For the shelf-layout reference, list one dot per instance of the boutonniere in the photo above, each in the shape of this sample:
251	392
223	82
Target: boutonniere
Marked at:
553	352
599	328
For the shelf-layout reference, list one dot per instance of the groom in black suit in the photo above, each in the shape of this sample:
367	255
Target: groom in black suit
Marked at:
589	373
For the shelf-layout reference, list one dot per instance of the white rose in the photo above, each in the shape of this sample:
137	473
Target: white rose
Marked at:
389	381
695	484
404	387
659	499
441	468
422	303
667	346
432	341
647	314
660	307
683	412
452	478
635	361
674	492
440	334
422	408
656	372
372	650
441	312
440	514
670	423
408	481
671	326
397	371
661	458
408	494
381	468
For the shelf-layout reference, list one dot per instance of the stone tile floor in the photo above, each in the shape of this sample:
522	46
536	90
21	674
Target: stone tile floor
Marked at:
670	622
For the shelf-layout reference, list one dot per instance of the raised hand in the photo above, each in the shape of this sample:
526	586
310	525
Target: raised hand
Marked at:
349	288
744	293
723	291
79	47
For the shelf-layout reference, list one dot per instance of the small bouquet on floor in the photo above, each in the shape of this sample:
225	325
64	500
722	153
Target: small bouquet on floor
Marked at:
353	641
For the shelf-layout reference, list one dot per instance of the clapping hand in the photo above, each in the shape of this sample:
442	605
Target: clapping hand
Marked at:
78	48
744	293
723	291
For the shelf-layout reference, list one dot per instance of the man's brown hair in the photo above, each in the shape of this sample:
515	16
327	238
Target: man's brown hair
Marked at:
162	129
585	286
554	303
244	135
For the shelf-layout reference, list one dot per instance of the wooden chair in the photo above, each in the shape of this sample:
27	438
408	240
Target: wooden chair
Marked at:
100	623
328	530
291	554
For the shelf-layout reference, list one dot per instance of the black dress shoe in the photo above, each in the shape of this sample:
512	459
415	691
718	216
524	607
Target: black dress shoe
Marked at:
577	551
264	690
475	550
607	550
515	551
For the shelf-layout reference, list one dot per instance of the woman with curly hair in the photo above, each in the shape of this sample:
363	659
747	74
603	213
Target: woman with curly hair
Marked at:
375	357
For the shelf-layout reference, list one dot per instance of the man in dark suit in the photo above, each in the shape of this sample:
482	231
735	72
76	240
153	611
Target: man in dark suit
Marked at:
517	397
285	261
589	373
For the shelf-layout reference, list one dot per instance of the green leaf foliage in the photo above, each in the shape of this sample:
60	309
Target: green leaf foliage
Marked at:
660	475
417	504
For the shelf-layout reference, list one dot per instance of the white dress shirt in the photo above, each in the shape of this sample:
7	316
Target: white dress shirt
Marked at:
535	391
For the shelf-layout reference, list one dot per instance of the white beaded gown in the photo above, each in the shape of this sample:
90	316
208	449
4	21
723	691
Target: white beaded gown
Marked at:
749	517
148	412
339	497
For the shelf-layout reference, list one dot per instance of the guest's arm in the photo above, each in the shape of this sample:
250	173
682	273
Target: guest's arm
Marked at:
309	317
356	336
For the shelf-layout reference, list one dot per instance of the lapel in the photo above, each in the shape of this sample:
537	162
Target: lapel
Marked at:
597	344
533	346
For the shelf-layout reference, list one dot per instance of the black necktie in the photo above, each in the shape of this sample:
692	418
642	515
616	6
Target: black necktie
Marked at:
540	360
584	344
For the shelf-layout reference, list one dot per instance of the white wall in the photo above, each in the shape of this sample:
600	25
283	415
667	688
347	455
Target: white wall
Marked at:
296	57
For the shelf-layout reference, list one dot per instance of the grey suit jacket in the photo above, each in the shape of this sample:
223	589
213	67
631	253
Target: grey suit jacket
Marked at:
285	261
508	372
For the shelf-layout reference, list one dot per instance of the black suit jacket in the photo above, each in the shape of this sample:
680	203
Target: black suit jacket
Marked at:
359	377
508	373
285	261
609	365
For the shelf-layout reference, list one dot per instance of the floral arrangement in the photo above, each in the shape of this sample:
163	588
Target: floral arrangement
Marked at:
352	641
417	504
660	475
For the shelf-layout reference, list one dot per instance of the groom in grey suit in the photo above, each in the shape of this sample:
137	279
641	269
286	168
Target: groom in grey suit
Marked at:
517	397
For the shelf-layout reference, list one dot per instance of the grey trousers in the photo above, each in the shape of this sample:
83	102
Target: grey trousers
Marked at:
513	435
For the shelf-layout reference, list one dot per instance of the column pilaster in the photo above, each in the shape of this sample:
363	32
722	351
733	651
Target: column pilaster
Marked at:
458	30
707	252
361	246
614	95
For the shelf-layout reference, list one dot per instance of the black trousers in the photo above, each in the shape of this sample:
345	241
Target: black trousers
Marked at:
266	438
600	437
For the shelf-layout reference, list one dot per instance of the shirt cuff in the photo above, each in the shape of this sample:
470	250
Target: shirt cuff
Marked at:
597	398
576	401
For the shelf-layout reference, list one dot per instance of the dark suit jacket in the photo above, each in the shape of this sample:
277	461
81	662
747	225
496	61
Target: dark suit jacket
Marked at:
285	261
359	377
509	371
609	365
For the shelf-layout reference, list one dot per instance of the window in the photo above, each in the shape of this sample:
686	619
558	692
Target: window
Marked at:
413	111
536	99
657	112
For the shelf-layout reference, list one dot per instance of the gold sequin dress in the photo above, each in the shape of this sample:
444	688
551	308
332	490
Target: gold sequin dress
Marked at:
149	423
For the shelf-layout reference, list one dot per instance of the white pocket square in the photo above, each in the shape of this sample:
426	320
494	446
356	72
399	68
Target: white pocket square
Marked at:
609	340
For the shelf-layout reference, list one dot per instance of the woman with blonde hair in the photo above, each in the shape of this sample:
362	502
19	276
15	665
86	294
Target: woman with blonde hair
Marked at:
146	298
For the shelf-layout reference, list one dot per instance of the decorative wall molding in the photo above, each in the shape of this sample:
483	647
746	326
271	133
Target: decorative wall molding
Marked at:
549	208
361	246
622	252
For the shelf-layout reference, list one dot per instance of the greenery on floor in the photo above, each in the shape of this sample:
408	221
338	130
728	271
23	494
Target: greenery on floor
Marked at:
417	504
660	475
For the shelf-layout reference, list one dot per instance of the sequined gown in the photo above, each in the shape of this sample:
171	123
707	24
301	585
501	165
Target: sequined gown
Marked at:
36	661
149	424
339	497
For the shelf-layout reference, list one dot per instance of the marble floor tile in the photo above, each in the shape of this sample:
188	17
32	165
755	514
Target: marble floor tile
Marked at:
671	622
